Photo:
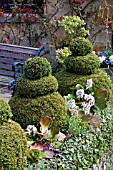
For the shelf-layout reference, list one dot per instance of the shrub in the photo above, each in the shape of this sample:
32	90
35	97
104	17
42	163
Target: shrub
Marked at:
29	111
32	88
5	111
82	64
13	146
80	46
37	67
67	81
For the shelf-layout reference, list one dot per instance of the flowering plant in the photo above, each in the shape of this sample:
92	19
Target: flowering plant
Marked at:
62	54
83	104
79	101
106	57
41	143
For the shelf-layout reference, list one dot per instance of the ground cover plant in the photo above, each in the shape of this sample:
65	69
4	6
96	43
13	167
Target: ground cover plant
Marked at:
84	143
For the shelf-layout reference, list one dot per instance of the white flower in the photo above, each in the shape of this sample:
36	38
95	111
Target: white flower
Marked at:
61	137
80	93
71	103
31	129
86	108
111	59
102	59
74	111
90	99
89	83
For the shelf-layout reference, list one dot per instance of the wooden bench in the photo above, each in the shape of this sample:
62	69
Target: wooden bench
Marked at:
12	58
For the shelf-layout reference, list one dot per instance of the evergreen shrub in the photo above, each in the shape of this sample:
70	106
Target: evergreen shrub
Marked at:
82	64
80	46
37	67
33	88
28	111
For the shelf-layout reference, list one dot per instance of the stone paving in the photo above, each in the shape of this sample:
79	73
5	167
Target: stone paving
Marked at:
4	92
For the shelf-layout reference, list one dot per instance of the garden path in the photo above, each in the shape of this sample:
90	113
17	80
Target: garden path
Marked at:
4	92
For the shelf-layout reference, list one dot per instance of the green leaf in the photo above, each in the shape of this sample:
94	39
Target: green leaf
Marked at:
101	97
45	123
54	131
101	93
101	103
79	86
92	120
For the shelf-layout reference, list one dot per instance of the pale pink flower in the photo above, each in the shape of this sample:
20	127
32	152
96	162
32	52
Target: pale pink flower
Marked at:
80	93
89	83
71	103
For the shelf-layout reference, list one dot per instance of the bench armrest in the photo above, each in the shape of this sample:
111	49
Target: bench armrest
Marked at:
40	49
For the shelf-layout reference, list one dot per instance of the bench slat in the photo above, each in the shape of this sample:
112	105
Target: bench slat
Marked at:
7	73
7	60
19	49
15	56
5	66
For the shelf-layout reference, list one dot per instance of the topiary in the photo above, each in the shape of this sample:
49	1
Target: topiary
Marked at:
67	81
39	87
37	67
30	111
5	111
13	142
82	64
80	46
36	95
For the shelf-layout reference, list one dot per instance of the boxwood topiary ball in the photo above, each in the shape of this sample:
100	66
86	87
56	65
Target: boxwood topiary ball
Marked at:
80	46
32	88
67	81
82	64
29	111
37	67
13	146
5	111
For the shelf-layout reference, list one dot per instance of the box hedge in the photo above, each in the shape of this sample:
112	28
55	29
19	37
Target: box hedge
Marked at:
33	88
5	111
80	46
37	67
29	110
13	142
67	81
82	64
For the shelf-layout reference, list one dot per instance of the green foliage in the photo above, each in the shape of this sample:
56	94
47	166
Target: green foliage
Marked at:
101	97
13	146
87	146
80	46
37	67
5	111
82	64
67	81
71	23
33	88
28	111
76	125
62	54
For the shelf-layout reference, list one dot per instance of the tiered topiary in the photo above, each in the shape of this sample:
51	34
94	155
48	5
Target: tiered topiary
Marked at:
81	66
13	143
36	95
